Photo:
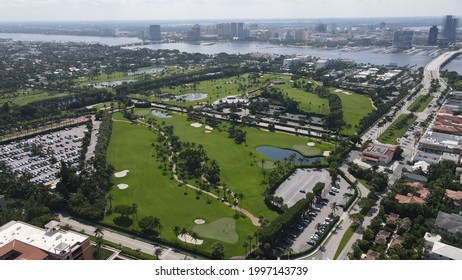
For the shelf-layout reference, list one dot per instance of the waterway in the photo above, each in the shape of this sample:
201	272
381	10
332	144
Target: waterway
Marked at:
455	65
275	154
370	55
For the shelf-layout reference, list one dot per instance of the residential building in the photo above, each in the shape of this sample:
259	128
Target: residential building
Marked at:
436	250
448	124
224	30
378	154
433	35
154	33
19	240
450	28
382	237
454	196
392	219
416	177
403	39
372	255
194	34
451	223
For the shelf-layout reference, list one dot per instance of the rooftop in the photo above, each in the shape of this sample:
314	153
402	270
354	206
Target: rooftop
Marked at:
447	251
53	241
449	222
380	150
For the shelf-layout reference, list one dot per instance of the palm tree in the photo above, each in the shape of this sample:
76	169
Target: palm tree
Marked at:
184	232
245	245
250	238
334	207
176	230
158	252
99	238
110	197
240	196
194	236
134	212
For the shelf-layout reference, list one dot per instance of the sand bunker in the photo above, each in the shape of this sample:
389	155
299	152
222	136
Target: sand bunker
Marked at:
199	221
121	174
343	91
196	125
311	144
208	127
326	153
188	239
208	131
122	186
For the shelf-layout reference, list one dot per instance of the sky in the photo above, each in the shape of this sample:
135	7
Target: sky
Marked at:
82	10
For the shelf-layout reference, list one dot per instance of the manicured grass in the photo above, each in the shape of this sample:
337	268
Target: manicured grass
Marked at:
355	107
309	102
364	182
307	150
239	164
222	229
346	237
158	195
421	103
397	129
32	96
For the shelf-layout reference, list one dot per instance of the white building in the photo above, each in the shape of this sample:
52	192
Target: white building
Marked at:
436	250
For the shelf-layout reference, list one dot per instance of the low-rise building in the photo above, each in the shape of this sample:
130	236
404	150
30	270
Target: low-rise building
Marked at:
382	237
19	240
455	196
451	223
436	250
378	154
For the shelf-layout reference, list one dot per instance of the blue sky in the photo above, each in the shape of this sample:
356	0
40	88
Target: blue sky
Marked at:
220	9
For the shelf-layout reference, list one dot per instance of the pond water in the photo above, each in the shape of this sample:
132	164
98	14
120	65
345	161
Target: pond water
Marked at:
187	97
146	71
281	154
111	84
160	114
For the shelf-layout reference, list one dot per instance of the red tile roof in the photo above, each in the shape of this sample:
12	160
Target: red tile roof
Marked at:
25	251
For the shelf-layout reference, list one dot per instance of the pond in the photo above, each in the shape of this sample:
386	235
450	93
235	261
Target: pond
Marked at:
281	154
186	97
111	84
146	71
160	114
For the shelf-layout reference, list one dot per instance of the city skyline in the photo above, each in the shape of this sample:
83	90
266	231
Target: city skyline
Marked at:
76	10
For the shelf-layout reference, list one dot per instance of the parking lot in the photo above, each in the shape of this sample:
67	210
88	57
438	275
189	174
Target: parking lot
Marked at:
308	231
301	182
41	156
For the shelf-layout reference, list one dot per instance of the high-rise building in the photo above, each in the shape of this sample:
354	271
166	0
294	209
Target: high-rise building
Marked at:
224	30
154	33
22	241
433	35
194	34
382	25
240	30
321	28
450	28
403	39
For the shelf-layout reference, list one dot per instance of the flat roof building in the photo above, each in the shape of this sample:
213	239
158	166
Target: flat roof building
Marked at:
19	240
451	223
378	154
436	250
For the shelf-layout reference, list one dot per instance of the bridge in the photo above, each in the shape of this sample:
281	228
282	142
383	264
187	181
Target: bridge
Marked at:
432	69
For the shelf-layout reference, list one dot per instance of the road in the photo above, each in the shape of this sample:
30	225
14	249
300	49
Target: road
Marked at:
127	241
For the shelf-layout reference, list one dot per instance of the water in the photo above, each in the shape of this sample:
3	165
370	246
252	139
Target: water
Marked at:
146	71
281	154
111	84
362	56
110	41
455	65
160	114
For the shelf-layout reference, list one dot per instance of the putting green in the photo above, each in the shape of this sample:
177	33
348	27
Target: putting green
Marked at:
223	229
308	151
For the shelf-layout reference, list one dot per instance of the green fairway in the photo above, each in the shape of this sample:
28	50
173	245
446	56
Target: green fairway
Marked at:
30	96
397	129
421	103
355	107
239	164
158	195
222	229
309	102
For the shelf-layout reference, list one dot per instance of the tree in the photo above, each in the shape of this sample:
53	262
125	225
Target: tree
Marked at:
110	197
250	238
245	245
357	219
150	225
240	196
217	251
99	238
157	252
194	236
184	233
176	230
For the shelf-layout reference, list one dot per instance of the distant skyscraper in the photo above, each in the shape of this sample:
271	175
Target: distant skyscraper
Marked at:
240	30
194	34
382	25
321	28
233	29
403	39
333	28
433	35
224	30
450	28
154	33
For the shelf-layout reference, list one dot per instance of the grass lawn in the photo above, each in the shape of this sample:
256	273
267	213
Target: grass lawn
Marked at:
309	102
223	229
160	196
397	129
346	237
364	182
240	170
30	96
355	107
421	103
